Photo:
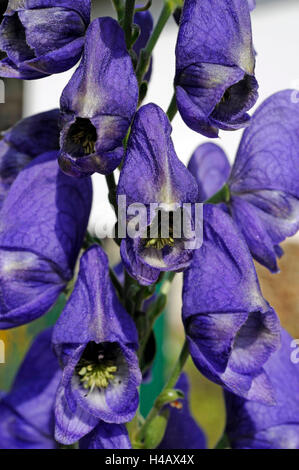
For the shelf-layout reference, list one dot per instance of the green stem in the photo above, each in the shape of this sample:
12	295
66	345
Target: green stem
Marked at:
147	52
168	386
155	311
119	8
172	108
110	179
176	372
128	20
223	442
222	196
145	7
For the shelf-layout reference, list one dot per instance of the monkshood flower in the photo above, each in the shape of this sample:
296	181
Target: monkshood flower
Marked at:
95	340
98	103
178	11
27	411
263	185
251	4
26	140
145	21
214	81
182	431
42	37
153	174
231	330
255	426
107	436
42	225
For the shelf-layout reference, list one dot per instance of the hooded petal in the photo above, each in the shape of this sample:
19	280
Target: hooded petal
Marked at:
42	225
98	103
182	430
264	181
107	436
210	166
98	302
214	81
42	37
231	329
251	4
29	138
178	12
255	426
82	7
95	327
152	173
27	412
143	272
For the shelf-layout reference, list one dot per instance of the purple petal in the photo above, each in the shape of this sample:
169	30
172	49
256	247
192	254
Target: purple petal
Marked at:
98	103
71	423
264	181
29	138
107	436
255	426
152	171
142	272
215	32
35	41
82	7
92	302
93	318
251	4
210	166
231	329
44	31
40	238
214	81
27	417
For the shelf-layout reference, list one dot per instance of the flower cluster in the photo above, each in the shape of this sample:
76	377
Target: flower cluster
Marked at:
79	382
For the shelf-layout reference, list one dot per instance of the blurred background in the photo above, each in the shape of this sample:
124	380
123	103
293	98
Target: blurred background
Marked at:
276	40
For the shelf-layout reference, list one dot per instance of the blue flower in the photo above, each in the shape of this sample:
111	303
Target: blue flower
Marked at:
231	330
152	173
215	61
42	226
27	411
95	340
263	184
98	103
26	140
42	37
255	426
107	436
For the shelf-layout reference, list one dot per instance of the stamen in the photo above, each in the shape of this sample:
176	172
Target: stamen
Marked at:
83	134
94	374
159	243
225	98
97	366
